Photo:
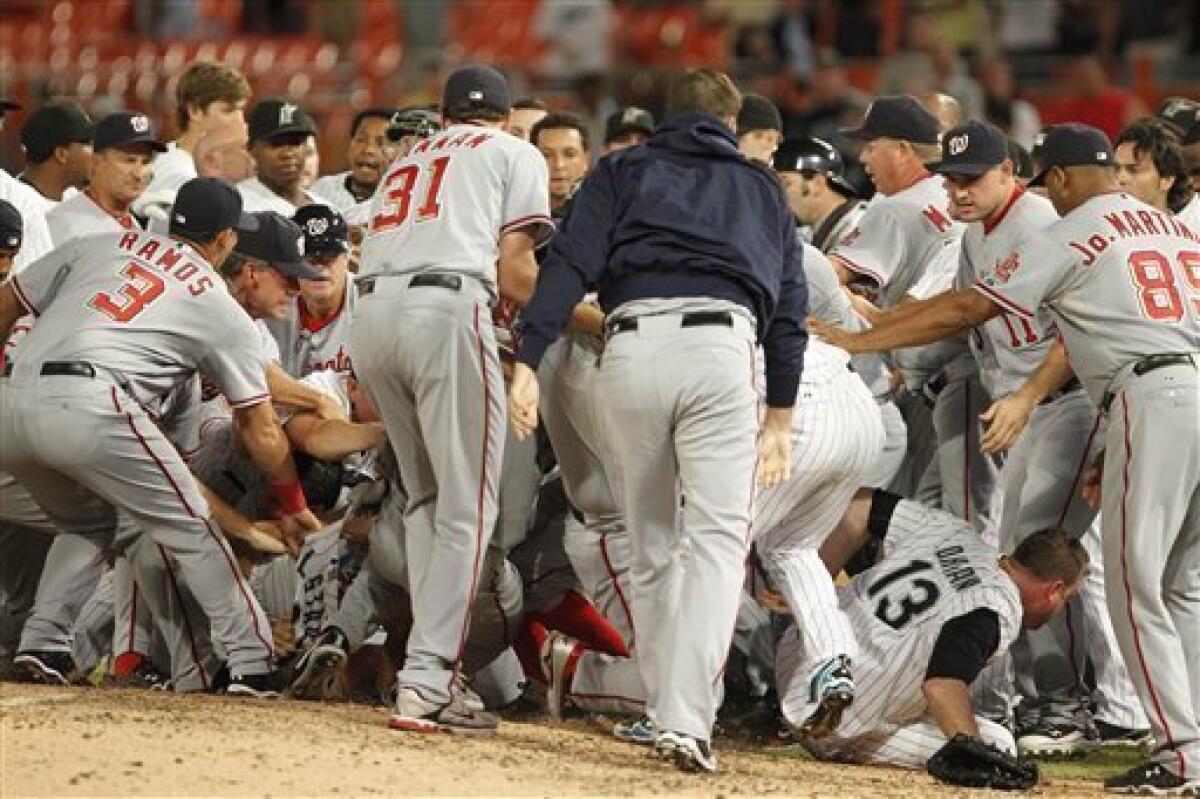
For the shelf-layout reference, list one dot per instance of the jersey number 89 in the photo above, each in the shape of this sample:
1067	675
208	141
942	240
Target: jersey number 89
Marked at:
1155	282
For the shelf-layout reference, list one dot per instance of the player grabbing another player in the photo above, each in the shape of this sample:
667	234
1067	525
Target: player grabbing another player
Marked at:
1122	283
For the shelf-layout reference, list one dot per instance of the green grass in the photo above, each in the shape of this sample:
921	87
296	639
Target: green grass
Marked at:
1098	765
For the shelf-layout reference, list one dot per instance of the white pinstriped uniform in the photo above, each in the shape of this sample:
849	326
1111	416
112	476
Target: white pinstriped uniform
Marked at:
934	568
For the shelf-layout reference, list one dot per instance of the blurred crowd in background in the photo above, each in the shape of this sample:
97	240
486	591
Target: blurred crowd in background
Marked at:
1022	64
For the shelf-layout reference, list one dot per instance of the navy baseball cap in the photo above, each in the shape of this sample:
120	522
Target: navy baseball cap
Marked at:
971	149
12	230
276	117
325	230
475	86
628	120
124	129
1072	144
55	125
814	155
206	206
897	116
278	242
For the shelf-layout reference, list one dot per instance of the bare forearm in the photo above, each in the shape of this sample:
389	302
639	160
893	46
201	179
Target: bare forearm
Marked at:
949	702
265	443
1054	372
287	390
227	518
332	439
936	319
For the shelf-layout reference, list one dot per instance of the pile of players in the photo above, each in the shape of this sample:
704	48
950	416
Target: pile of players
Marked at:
254	437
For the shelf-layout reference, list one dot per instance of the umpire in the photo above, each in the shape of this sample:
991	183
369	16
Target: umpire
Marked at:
694	254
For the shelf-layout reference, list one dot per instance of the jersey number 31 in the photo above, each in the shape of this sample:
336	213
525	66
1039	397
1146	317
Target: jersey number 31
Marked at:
399	191
897	608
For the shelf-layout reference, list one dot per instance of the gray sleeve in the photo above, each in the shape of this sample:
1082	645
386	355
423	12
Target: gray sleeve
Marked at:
875	247
235	361
526	200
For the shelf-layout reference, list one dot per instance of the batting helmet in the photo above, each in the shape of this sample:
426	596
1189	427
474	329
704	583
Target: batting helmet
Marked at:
419	122
814	155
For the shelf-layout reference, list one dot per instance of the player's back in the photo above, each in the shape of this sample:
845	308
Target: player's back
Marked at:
146	308
445	205
1126	284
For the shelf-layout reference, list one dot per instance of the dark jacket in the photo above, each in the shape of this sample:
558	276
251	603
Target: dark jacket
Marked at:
684	215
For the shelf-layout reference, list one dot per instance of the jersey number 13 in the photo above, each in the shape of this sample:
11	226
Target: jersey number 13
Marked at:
913	596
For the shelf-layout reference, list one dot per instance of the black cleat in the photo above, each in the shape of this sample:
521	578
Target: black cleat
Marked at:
46	668
319	666
1152	779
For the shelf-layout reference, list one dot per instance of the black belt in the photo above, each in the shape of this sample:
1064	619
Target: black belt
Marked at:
438	280
693	319
1070	387
1147	365
934	387
68	369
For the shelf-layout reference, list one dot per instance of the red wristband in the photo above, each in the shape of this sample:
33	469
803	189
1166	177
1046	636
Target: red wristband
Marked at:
290	497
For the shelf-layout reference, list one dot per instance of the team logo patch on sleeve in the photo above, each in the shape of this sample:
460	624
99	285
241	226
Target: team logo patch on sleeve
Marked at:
1008	267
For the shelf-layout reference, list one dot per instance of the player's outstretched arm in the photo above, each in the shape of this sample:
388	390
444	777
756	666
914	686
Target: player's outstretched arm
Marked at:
516	269
261	537
332	439
1007	416
267	445
523	401
287	390
938	317
949	702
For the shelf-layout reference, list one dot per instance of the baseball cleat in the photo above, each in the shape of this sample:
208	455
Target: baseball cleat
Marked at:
556	654
688	753
47	668
640	731
471	699
1152	779
1047	740
832	689
319	666
413	713
1115	735
256	686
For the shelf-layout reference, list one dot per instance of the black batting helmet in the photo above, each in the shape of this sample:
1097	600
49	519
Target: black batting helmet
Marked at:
420	122
814	155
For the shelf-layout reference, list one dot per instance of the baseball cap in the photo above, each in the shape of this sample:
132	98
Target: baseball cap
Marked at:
55	125
971	149
276	117
123	129
814	155
475	86
205	206
758	113
626	120
1072	144
897	116
278	242
1183	115
11	226
324	229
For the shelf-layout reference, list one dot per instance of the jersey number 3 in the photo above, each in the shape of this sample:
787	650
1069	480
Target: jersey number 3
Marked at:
141	288
398	196
897	609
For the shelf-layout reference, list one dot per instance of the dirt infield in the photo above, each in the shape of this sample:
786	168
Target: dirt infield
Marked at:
79	741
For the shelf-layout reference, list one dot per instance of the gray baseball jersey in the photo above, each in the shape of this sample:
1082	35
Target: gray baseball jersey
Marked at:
1009	348
897	236
491	181
307	344
81	216
148	308
332	189
1190	213
171	170
257	197
826	235
1121	281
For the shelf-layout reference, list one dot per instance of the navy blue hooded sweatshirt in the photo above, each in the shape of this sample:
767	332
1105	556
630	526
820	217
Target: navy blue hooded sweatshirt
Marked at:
684	215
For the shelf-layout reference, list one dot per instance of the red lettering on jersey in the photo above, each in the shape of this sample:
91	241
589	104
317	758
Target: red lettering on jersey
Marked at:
168	259
148	250
1135	227
127	241
459	140
187	271
850	238
1089	257
1008	267
338	363
1148	222
439	143
937	218
480	138
1115	222
200	286
420	147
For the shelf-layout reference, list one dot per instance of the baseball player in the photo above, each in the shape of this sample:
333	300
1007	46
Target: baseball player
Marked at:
279	132
526	112
759	128
314	336
626	127
369	153
678	370
822	199
57	140
124	145
423	344
938	605
36	240
1183	115
1150	164
564	141
75	403
210	106
1119	279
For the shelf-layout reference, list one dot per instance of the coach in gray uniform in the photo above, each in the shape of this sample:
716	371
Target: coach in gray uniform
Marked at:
690	280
